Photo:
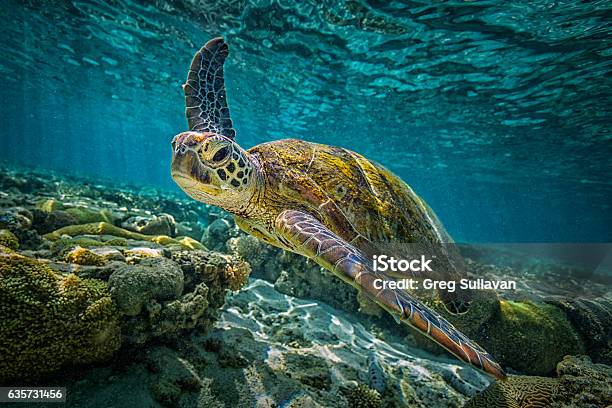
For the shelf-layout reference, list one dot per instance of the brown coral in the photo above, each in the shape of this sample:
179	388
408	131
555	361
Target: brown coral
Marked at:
580	383
237	274
51	321
517	392
83	256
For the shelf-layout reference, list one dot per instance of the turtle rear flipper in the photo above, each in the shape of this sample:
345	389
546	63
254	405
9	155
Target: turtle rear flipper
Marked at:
304	234
205	98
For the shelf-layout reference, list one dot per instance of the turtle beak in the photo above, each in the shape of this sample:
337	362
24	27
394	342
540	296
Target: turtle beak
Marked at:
190	174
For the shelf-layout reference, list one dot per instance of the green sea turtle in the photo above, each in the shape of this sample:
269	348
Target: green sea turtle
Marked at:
327	203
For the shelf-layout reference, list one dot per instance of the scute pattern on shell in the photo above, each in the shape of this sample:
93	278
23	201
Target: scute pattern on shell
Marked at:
358	196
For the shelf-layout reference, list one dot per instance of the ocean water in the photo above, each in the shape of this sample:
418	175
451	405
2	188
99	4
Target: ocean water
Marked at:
496	112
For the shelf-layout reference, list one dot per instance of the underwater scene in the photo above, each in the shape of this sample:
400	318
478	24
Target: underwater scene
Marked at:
276	203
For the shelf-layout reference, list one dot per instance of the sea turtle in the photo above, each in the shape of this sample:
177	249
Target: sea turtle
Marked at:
327	203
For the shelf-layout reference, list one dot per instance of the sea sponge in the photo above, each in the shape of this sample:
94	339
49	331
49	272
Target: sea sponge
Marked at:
83	256
8	239
51	321
363	396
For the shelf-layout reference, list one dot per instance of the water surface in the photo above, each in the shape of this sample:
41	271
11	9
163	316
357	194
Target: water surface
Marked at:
496	112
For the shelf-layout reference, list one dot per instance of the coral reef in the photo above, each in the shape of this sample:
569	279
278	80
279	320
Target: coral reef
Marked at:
583	384
218	233
190	243
118	265
163	297
52	321
237	275
163	224
590	318
8	239
363	396
100	284
108	229
517	392
105	228
213	268
134	286
83	256
579	383
19	221
531	338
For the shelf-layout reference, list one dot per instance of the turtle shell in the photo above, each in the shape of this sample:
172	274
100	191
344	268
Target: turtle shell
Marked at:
358	199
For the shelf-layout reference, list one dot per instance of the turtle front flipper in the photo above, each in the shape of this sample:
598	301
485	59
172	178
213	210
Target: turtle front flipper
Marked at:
304	234
205	98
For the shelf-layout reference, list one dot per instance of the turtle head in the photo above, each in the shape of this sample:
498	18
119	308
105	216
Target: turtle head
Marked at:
212	168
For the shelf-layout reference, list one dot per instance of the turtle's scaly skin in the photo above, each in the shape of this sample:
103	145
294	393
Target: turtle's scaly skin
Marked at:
326	203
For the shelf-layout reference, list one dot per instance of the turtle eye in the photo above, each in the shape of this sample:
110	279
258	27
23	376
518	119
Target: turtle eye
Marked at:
221	154
182	149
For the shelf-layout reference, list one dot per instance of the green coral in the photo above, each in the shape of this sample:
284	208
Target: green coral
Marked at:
105	228
96	228
8	239
529	337
363	396
63	245
51	321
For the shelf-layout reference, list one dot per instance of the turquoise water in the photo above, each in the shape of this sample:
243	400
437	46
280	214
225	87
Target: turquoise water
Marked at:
497	113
